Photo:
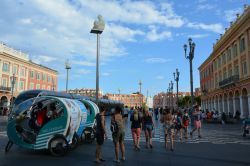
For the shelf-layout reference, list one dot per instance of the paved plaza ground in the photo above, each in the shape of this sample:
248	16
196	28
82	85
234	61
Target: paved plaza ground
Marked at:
220	145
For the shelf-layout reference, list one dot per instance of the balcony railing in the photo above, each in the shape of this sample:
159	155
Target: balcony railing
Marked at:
229	81
4	88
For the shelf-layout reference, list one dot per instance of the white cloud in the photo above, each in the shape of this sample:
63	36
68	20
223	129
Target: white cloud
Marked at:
25	21
83	63
159	77
230	15
137	12
217	28
123	33
105	74
83	71
198	35
157	60
205	7
153	35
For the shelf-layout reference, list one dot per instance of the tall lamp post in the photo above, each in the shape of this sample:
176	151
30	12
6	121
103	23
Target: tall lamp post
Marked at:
98	29
67	67
170	98
190	57
176	78
13	81
172	95
140	84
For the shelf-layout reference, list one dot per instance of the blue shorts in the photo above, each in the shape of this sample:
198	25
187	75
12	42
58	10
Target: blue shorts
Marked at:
148	127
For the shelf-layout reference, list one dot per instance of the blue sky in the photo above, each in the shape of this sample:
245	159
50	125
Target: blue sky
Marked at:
142	40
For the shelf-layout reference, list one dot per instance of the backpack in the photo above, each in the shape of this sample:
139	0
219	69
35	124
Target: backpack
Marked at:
185	120
178	120
114	126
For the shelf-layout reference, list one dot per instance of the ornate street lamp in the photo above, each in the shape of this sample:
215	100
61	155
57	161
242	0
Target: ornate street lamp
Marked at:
190	57
176	78
140	84
13	81
172	94
97	29
67	67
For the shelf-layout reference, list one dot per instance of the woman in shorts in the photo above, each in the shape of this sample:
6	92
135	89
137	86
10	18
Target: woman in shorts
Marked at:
168	123
148	126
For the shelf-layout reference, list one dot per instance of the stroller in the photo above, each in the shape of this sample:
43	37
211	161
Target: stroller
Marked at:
246	126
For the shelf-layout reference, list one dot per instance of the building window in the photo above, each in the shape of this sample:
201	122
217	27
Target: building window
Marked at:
225	74
15	69
43	87
224	59
235	50
219	62
220	76
215	65
236	70
6	67
244	66
37	86
31	85
44	77
4	82
49	78
21	86
32	74
229	55
48	88
23	72
38	76
230	72
242	44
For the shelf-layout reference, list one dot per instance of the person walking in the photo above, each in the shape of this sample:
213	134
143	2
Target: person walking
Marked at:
185	123
118	134
148	126
100	135
178	124
197	121
168	123
136	124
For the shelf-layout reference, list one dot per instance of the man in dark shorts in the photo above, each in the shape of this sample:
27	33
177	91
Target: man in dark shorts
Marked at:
100	134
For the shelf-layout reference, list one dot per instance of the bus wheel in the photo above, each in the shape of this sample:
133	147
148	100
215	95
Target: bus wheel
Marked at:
88	135
58	146
8	146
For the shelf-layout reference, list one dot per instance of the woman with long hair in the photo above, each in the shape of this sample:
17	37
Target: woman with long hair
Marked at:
148	126
136	124
167	120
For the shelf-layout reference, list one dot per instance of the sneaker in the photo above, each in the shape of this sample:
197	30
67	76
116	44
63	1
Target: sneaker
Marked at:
138	148
102	160
116	161
123	159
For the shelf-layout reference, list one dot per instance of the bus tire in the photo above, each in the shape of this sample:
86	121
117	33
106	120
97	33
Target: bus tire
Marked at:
58	146
88	135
